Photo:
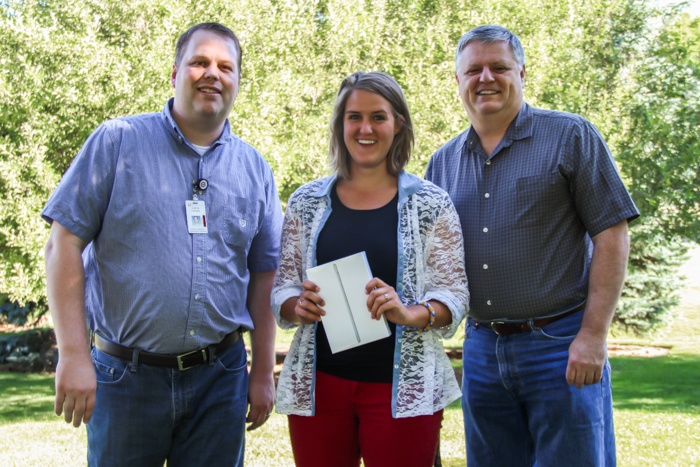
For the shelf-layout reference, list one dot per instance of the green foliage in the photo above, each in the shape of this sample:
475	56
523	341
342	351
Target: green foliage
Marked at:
68	65
652	288
14	313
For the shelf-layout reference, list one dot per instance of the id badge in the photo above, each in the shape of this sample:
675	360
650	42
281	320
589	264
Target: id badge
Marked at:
196	217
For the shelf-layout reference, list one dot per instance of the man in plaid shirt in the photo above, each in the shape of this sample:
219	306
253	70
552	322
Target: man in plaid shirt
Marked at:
544	215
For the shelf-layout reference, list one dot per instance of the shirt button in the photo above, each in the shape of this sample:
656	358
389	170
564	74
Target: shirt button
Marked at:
192	332
486	266
486	229
196	297
488	302
488	162
487	195
396	366
399	340
199	259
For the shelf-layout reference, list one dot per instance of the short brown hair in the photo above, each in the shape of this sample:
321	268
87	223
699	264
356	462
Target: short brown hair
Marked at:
216	28
385	86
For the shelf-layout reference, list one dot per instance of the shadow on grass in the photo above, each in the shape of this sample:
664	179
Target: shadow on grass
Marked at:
26	397
663	384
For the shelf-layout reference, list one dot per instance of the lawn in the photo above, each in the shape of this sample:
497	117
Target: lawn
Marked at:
657	408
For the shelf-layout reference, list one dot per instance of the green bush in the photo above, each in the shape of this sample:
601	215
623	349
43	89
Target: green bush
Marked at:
67	65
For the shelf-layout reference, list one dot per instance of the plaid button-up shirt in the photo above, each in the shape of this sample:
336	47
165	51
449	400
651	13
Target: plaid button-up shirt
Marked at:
528	211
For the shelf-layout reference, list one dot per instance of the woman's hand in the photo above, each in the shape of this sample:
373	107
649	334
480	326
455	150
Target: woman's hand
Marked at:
308	304
383	300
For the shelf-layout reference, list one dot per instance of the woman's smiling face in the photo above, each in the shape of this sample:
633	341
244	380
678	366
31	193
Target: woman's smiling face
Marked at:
369	128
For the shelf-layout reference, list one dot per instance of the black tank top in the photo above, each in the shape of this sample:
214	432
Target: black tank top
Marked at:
346	232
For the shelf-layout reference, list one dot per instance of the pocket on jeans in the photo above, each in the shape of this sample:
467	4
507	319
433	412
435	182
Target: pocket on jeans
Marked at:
108	370
552	332
233	359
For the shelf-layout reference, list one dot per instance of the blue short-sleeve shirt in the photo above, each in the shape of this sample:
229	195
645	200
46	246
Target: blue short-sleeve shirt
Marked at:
528	211
150	284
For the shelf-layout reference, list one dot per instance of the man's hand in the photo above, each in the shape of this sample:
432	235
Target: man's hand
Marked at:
75	388
587	355
261	398
65	286
588	351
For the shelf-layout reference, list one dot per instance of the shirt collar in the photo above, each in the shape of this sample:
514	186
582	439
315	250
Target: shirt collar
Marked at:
519	128
174	129
408	185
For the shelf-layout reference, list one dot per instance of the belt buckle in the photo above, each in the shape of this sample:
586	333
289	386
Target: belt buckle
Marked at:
180	365
494	323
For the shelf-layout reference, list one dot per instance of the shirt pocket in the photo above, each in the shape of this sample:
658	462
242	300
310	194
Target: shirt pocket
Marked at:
241	221
537	198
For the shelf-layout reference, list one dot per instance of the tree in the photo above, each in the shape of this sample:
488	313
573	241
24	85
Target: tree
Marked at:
69	65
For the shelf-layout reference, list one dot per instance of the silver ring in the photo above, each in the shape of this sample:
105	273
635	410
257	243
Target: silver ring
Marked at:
301	301
386	297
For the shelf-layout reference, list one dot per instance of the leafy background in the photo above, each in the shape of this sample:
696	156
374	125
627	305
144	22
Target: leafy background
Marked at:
629	67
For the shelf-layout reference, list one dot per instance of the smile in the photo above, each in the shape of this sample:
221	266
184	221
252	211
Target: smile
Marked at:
210	90
365	141
486	93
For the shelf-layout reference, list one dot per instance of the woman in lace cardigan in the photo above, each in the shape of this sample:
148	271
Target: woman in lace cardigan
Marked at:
381	401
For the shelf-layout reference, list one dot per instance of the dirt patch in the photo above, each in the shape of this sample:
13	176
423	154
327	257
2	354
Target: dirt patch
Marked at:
620	350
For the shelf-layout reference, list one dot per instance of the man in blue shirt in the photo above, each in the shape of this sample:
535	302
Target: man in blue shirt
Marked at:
544	215
167	297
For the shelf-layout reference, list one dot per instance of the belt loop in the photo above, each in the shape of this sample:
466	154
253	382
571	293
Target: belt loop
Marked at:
92	338
531	325
135	361
211	351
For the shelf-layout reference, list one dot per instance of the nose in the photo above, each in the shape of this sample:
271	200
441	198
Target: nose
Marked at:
365	126
211	71
486	76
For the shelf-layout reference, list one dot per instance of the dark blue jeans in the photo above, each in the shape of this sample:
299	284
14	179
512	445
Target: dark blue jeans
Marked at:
146	414
520	411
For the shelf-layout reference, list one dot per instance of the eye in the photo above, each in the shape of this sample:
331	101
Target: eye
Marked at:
380	118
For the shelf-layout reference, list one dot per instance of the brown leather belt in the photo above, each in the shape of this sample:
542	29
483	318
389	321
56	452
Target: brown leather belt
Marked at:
182	362
503	329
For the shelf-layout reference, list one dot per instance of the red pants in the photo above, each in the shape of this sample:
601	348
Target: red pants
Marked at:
354	420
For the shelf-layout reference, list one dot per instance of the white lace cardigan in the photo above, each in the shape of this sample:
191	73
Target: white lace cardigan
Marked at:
430	267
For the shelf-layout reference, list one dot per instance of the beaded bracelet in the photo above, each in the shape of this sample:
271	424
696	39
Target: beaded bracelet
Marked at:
431	310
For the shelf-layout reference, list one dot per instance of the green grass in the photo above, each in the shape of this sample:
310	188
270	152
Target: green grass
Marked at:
657	408
26	398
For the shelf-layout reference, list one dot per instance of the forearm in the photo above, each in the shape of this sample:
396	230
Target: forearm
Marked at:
606	278
262	338
65	282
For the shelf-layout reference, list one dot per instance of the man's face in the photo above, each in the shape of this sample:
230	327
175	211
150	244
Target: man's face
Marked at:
207	79
490	81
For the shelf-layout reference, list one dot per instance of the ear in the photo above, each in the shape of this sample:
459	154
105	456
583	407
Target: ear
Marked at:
398	123
457	78
522	75
173	75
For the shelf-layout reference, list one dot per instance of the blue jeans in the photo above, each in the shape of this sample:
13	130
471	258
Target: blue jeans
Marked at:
145	415
520	411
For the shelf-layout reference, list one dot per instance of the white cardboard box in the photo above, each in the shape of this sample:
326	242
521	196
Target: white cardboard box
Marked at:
348	322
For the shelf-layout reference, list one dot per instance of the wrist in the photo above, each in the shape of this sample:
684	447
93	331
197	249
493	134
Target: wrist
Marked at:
430	315
593	335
